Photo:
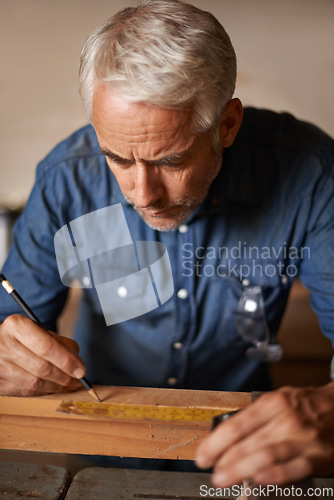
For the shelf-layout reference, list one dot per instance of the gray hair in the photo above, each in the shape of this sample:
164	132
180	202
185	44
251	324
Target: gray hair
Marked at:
164	53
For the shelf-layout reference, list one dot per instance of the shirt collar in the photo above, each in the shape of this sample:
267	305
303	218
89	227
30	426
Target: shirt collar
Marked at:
234	182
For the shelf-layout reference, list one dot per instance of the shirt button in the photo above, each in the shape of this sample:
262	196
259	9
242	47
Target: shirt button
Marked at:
245	282
177	345
183	228
122	291
172	381
284	280
182	293
86	281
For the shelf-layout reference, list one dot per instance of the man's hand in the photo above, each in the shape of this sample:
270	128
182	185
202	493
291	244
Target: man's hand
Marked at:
285	436
34	363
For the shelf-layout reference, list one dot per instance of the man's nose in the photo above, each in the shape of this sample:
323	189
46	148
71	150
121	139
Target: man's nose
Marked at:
148	186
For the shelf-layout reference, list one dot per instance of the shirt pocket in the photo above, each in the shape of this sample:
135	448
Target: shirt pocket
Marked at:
260	288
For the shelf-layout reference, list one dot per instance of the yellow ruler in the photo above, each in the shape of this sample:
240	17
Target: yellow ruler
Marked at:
141	412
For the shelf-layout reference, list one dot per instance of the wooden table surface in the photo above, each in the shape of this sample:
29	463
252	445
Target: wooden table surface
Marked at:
34	424
54	483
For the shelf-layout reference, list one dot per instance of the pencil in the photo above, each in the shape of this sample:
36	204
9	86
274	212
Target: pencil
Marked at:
31	315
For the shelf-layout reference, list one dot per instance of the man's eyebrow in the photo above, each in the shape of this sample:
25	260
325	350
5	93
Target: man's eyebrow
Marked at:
167	159
114	156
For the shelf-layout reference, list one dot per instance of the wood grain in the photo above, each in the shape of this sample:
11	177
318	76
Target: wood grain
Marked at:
34	424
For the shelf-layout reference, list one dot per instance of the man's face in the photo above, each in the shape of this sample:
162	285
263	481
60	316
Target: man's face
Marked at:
163	169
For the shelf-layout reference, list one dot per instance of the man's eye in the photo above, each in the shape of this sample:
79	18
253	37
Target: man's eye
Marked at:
121	163
124	164
173	165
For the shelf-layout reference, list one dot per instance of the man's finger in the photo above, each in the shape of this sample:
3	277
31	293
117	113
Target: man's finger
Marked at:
23	383
294	470
44	346
229	432
262	462
69	343
243	427
27	368
274	430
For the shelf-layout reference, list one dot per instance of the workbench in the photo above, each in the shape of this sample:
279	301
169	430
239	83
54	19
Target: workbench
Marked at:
154	423
48	482
131	422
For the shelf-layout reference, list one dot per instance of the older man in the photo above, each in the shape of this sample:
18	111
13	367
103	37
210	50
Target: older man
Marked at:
241	202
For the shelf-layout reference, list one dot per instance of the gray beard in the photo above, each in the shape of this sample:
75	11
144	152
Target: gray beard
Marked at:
188	204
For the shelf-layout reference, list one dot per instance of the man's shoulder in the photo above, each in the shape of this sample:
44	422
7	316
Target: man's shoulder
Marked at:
277	159
282	130
81	146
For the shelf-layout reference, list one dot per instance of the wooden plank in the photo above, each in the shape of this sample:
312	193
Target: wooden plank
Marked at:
49	482
34	424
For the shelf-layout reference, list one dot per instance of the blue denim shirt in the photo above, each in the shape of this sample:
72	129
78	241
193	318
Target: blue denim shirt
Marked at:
268	218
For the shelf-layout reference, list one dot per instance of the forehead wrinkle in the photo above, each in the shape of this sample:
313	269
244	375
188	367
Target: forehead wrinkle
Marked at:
126	145
159	153
145	137
135	129
168	157
168	124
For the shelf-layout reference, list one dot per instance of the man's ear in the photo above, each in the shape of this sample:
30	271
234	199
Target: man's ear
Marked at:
230	122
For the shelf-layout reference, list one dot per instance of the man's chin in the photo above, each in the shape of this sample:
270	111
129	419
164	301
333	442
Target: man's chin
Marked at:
166	222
